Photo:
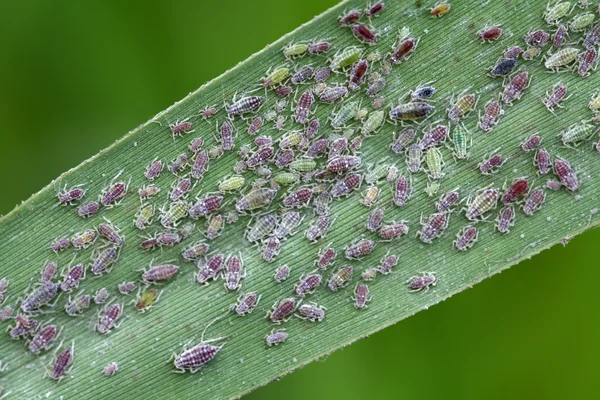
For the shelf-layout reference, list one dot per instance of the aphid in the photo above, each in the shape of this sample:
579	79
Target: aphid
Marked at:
411	111
298	198
110	233
466	238
487	34
107	319
556	12
343	115
577	133
74	194
433	227
403	49
483	202
321	203
196	357
260	157
83	239
369	274
60	244
370	196
187	230
514	89
561	58
447	201
25	326
581	22
261	228
461	139
594	104
308	284
105	259
316	149
587	61
256	198
293	50
505	219
244	105
503	67
392	174
112	194
101	296
392	231
216	152
322	74
246	303
512	52
402	140
271	248
210	269
291	139
5	314
559	93
195	251
318	47
336	148
147	191
375	219
126	287
232	183
195	146
276	77
414	158
462	107
311	312
553	184
75	307
364	34
332	94
47	274
537	38
147	299
422	283
375	9
435	163
149	243
168	239
88	209
255	126
200	165
373	122
531	53
433	137
359	249
214	226
178	164
491	165
144	216
531	142
490	116
158	273
318	229
276	337
153	169
593	37
534	201
560	35
341	164
44	339
357	75
361	296
345	58
286	178
542	161
72	278
378	102
204	206
387	263
171	217
226	138
282	273
180	189
234	272
179	128
208	112
346	186
350	17
290	221
515	191
376	84
402	191
440	9
302	75
341	278
282	310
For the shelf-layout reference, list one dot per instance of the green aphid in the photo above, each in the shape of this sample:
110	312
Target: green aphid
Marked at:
345	58
594	103
462	140
435	163
293	50
292	139
373	122
174	214
432	188
462	107
261	228
214	226
377	173
561	58
256	198
577	133
215	152
581	21
348	133
556	12
361	114
286	178
275	77
373	56
232	184
144	216
145	301
344	114
303	165
341	278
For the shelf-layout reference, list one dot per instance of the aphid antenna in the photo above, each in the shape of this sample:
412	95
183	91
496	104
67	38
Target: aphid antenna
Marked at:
209	324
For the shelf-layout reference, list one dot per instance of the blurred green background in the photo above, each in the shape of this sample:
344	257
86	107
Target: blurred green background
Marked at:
75	76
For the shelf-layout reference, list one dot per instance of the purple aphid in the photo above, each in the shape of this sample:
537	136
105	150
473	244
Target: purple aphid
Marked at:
196	357
515	191
357	74
401	191
126	287
180	189
447	201
466	238
255	126
178	164
108	318
326	258
491	165
505	219
531	143
110	233
60	244
282	310
159	273
113	194
553	185
226	139
559	93
337	147
422	283
245	105
195	251
566	175
110	369
316	149
434	137
515	87
593	37
271	248
298	198
208	112
25	326
318	47
104	260
302	75
303	106
282	273
149	243
284	158
6	313
341	164
147	191
101	296
322	74
72	278
200	165
43	339
333	94
88	209
534	201
179	128
283	91
77	306
308	284
318	229
392	231
40	296
375	219
312	128
246	303
387	263
204	206
513	52
542	161
403	140
350	17
71	195
154	169
537	38
355	144
347	185
210	269
361	296
560	35
260	157
234	272
195	146
48	273
264	141
433	227
491	115
359	249
276	337
311	312
587	61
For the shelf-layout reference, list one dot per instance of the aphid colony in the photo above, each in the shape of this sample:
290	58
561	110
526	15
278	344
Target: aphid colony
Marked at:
285	179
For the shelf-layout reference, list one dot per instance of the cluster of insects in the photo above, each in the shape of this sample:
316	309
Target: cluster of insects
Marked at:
292	168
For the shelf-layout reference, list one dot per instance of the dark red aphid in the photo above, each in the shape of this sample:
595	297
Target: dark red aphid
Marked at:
433	227
196	357
208	112
113	193
205	206
434	136
593	37
44	339
60	244
337	147
566	175
587	60
180	127
284	158
72	278
108	319
298	198
346	185
512	52
403	50
149	243
537	38
226	136
375	9
558	94
491	165
71	195
402	191
283	91
363	33
282	310
447	201
422	283
490	116
48	272
255	126
88	209
357	75
534	201
62	363
558	38
319	228
319	47
210	269
387	263
308	284
516	86
260	157
200	165
515	191
195	145
350	17
488	34
531	143
159	273
282	273
271	248
466	238
326	258
341	164
110	233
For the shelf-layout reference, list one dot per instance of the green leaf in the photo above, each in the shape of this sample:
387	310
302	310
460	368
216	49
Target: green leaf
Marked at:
448	54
